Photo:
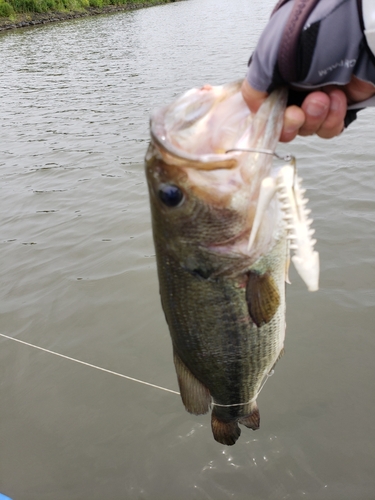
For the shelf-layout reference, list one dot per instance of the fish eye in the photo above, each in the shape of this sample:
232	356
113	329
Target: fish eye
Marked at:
171	195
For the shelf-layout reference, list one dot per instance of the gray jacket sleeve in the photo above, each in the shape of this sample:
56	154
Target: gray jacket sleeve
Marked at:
331	48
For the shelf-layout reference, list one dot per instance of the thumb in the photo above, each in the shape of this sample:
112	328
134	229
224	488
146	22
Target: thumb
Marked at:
253	98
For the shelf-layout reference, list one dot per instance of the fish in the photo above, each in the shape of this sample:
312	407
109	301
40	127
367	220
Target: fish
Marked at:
209	162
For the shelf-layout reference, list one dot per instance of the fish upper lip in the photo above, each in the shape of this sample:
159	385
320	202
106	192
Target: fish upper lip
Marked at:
207	161
210	160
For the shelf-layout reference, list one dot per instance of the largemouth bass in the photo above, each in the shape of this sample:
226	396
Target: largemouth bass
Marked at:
224	301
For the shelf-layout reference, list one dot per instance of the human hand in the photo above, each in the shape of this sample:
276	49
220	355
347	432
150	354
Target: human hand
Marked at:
322	112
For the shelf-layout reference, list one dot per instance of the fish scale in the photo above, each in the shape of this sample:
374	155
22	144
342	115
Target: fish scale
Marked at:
217	358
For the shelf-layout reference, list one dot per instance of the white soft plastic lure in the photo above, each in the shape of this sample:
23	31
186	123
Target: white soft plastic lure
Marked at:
287	186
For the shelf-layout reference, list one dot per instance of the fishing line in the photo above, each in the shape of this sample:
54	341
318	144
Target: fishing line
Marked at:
90	365
69	358
267	376
287	158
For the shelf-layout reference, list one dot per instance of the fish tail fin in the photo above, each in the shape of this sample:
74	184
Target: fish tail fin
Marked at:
195	396
225	432
252	420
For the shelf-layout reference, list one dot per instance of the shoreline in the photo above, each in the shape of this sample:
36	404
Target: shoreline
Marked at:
28	19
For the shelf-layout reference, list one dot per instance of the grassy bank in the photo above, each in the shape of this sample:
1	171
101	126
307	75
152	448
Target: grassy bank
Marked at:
21	13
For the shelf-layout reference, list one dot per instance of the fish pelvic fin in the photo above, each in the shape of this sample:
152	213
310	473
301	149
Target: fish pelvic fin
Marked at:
195	396
262	296
224	432
252	420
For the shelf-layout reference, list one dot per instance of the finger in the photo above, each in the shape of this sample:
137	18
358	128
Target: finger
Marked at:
253	98
294	118
358	90
316	108
334	123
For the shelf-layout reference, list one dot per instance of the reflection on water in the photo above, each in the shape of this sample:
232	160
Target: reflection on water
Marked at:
78	277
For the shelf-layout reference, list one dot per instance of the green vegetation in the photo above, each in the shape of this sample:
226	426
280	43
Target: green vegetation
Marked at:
6	9
11	9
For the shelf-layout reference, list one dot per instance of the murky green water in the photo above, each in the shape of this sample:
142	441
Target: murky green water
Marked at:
78	277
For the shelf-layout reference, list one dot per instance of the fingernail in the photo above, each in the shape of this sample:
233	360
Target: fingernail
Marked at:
316	108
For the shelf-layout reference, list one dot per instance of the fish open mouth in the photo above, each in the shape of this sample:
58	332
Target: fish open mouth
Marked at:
212	127
202	126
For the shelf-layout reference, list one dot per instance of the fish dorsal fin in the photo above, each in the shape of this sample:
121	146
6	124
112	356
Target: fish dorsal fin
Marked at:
195	396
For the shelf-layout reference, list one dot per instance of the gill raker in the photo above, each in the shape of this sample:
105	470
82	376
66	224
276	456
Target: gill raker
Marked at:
288	188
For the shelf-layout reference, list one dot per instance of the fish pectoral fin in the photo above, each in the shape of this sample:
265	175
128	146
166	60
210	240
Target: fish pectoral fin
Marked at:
224	432
252	421
262	296
195	396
